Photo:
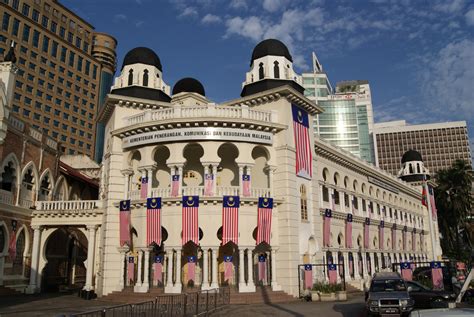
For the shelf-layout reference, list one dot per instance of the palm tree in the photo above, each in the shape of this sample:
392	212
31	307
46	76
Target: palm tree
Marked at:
454	202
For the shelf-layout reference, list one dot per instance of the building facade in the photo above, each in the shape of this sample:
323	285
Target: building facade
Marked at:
62	65
440	144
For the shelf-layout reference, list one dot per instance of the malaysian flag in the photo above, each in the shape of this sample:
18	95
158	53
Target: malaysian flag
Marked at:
394	236
264	219
191	268
175	186
407	273
349	231
153	221
230	219
308	276
144	188
131	269
366	233
228	267
208	184
327	228
381	234
304	157
424	198
125	222
262	268
158	270
434	210
404	238
246	185
190	224
332	273
12	246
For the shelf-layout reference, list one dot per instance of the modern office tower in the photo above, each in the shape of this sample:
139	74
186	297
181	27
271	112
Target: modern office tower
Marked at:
440	144
57	88
347	120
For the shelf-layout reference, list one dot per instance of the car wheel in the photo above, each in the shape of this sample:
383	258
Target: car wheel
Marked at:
439	303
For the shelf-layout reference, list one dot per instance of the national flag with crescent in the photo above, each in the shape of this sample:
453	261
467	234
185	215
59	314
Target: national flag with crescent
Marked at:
208	184
124	222
228	267
381	234
175	186
153	221
366	233
327	227
131	269
434	210
262	268
158	269
190	224
349	231
12	246
407	273
332	273
308	276
304	156
437	275
246	185
144	188
191	268
230	219
264	219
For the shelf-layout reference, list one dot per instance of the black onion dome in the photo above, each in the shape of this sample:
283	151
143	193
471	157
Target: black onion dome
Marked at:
142	55
411	155
189	84
270	47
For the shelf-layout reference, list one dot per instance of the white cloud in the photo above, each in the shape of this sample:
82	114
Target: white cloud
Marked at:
470	17
211	19
274	5
139	23
449	6
238	4
120	18
251	27
188	12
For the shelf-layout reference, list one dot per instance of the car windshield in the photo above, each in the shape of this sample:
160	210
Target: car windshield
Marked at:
387	286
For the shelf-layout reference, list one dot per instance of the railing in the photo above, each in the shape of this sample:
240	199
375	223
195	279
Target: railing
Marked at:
26	203
6	197
68	205
260	192
199	191
211	110
189	304
193	191
228	190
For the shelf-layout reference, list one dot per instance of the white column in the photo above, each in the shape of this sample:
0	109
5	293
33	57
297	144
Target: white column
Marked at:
150	181
179	270
123	254
126	188
355	258
242	283
271	170
241	173
169	275
372	264
32	287
146	271
214	179
138	283
214	282
275	285
180	173
205	269
365	264
346	266
90	258
176	288
250	283
249	172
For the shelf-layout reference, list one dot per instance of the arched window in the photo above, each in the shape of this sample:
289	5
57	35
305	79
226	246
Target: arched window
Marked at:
45	187
418	170
130	77
303	203
261	73
276	69
410	168
8	177
145	77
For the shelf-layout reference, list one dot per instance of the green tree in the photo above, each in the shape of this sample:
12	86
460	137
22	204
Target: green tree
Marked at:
454	203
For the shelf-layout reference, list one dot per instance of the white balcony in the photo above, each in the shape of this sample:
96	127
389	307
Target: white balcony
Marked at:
199	191
6	197
68	206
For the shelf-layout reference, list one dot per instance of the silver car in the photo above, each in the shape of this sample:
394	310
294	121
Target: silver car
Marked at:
388	294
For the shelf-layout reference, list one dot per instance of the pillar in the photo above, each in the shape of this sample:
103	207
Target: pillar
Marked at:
126	189
355	258
90	257
242	283
214	177
179	270
205	269
170	288
275	286
169	275
32	287
214	282
249	172
346	266
180	173
271	171
146	271
241	173
150	182
372	263
250	283
138	283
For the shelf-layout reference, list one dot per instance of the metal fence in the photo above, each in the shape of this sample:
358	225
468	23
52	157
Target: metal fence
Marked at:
319	276
199	303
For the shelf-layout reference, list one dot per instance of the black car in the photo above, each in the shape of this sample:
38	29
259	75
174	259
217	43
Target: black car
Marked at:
424	273
426	297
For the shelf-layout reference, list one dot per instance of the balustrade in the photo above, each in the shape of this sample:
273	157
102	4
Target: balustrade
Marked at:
6	197
68	205
199	191
228	190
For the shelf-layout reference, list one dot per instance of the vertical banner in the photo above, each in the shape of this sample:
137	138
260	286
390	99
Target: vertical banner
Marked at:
158	270
190	224
381	234
366	233
394	237
437	275
228	267
308	276
246	185
208	184
434	210
230	219
327	228
262	268
349	231
332	273
131	269
191	268
124	223
175	186
264	219
406	270
304	156
153	221
144	188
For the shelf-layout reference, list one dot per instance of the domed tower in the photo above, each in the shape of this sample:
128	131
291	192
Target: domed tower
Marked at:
413	169
188	92
141	76
271	66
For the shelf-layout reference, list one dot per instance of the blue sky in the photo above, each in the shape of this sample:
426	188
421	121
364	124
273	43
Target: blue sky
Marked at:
417	55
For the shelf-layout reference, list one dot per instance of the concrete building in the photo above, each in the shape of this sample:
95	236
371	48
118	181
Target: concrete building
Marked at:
347	120
64	69
440	144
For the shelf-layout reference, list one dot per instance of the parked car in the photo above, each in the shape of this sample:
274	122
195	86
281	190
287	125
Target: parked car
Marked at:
387	295
426	297
424	273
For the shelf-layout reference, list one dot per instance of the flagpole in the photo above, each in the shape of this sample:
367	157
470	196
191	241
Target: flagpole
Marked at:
430	215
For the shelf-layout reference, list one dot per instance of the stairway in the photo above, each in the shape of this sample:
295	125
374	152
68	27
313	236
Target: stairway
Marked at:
128	296
263	294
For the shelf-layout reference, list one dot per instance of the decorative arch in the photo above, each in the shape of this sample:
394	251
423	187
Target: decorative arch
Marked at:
276	69
336	178
4	238
46	185
12	165
130	77
228	169
346	182
260	176
162	174
261	72
325	174
145	78
60	190
193	171
355	186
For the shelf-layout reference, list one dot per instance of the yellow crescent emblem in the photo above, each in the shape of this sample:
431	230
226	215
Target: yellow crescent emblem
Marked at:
231	201
190	201
154	203
265	202
300	116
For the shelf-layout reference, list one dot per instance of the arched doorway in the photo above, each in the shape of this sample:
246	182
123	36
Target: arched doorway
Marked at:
66	252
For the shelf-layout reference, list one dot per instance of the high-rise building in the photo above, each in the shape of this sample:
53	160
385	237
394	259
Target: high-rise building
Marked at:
347	120
439	144
63	67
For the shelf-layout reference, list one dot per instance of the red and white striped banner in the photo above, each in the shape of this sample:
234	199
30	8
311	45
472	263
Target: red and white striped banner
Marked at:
190	225
175	185
153	221
208	185
304	156
264	219
144	188
124	222
230	219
